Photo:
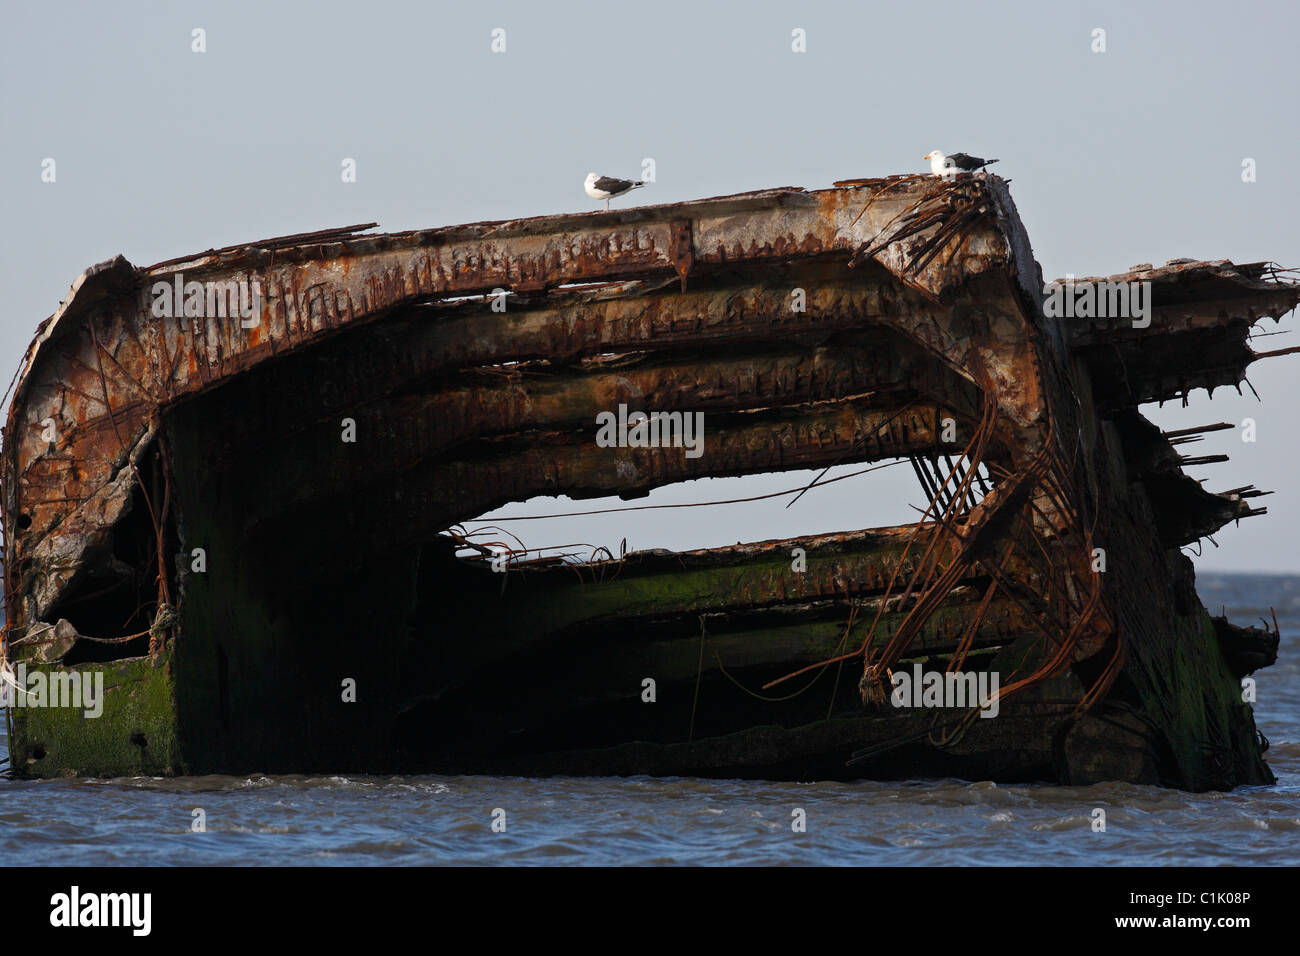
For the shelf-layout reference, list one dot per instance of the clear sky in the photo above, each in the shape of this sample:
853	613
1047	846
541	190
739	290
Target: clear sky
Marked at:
1118	157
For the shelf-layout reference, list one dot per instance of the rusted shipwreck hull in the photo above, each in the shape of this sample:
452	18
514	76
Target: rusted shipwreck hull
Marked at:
184	512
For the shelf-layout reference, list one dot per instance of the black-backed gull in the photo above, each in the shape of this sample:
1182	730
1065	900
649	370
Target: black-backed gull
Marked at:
962	162
607	187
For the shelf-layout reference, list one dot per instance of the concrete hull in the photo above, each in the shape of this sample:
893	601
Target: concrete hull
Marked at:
248	523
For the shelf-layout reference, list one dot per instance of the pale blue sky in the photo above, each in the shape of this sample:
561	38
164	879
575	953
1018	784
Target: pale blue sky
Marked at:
1132	155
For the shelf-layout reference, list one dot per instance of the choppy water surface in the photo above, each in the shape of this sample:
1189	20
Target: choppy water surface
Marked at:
439	819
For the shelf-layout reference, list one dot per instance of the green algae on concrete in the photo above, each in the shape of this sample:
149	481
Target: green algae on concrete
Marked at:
1192	696
135	734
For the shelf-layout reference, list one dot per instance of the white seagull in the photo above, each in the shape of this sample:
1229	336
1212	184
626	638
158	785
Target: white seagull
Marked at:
606	187
940	164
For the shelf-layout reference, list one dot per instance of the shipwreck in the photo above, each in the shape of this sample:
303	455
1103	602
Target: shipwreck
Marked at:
235	487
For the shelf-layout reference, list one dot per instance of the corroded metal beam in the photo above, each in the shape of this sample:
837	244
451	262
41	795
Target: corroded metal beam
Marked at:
1196	335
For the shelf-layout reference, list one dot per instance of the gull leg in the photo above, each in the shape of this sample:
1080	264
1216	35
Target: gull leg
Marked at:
607	205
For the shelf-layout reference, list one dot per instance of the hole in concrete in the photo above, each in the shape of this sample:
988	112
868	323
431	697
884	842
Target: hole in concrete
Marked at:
854	502
122	597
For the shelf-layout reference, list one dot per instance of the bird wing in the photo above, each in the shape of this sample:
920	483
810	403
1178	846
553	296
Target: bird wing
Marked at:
966	161
611	185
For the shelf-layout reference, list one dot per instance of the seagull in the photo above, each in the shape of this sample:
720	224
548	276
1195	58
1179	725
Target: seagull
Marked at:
606	187
940	164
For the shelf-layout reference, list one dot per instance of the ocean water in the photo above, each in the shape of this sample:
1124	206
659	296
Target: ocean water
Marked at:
335	820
